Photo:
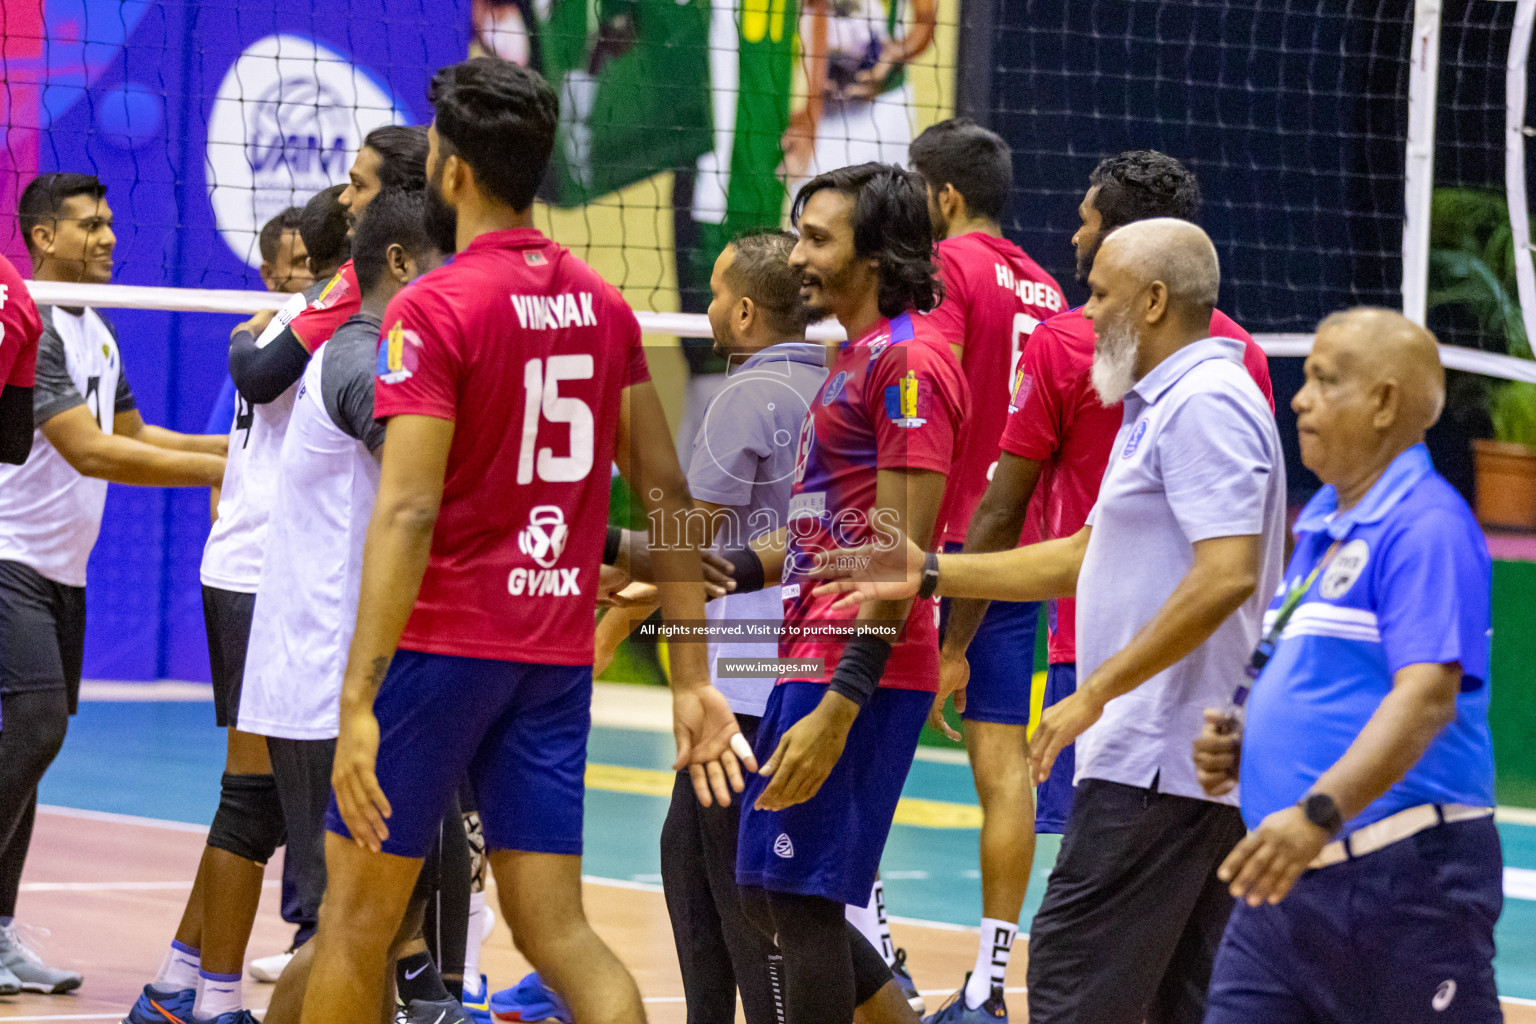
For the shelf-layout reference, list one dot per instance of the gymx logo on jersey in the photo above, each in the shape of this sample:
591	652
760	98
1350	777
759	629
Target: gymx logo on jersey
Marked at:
552	312
543	539
907	401
398	354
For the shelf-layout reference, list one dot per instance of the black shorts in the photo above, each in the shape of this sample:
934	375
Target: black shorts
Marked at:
42	633
227	614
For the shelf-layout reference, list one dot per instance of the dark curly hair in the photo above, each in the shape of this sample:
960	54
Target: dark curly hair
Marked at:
402	153
891	224
1142	183
500	119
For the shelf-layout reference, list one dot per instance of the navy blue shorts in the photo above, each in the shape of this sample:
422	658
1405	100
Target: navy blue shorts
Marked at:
1400	936
1002	657
830	845
518	730
1053	797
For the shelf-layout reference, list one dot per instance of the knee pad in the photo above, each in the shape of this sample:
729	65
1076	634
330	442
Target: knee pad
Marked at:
249	822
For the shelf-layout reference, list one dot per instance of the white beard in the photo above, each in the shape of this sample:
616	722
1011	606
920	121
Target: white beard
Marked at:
1114	364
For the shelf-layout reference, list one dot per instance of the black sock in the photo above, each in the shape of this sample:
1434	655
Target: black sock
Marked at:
416	978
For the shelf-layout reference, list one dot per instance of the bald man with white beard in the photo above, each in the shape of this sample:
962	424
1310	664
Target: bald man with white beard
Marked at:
1171	576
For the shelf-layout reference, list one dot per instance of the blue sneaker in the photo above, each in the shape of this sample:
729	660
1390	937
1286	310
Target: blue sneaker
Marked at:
477	1003
908	986
955	1011
154	1007
530	1000
236	1017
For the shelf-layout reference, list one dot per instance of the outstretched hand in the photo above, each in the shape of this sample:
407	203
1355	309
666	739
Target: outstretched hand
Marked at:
888	568
710	744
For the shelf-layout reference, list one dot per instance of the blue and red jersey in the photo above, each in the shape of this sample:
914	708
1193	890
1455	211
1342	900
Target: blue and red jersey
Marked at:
893	399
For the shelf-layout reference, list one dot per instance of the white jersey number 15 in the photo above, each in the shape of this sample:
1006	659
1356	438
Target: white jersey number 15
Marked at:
542	401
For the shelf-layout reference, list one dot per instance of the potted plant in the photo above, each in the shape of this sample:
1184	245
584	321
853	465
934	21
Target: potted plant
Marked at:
1472	272
1506	465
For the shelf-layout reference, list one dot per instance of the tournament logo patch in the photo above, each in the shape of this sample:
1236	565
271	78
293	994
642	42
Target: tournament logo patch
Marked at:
1023	384
1134	442
834	388
331	294
1345	568
907	402
398	355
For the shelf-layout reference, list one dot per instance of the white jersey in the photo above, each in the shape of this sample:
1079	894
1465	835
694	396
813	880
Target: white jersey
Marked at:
50	515
306	604
232	556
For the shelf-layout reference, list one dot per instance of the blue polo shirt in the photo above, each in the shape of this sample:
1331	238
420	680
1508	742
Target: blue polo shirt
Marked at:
1411	584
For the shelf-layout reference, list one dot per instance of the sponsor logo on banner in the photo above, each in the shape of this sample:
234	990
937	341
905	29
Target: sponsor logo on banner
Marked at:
907	401
289	117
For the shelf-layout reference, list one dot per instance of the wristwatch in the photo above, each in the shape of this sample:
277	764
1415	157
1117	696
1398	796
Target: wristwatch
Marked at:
930	581
1322	812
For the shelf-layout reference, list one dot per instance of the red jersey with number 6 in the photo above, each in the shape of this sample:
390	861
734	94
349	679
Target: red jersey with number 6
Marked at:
527	350
20	327
994	298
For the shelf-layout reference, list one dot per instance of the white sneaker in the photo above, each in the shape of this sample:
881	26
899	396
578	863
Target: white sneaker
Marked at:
268	968
23	963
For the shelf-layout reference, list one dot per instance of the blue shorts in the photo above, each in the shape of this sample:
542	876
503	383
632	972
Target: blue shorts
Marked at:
519	731
1002	657
1053	797
1400	936
830	845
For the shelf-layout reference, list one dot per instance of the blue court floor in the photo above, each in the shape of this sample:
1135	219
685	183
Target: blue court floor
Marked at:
163	759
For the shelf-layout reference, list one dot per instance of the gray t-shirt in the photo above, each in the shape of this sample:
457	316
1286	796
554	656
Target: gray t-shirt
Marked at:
55	390
348	363
744	458
1197	457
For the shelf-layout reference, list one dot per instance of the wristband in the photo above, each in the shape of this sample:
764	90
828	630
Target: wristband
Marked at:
746	568
611	545
858	671
930	581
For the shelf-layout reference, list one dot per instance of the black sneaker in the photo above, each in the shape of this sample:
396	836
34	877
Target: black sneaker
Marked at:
908	986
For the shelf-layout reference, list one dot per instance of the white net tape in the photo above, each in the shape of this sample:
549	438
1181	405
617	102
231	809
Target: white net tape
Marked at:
681	325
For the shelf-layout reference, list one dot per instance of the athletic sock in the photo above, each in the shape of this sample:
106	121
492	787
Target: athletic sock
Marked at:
871	923
416	977
179	969
475	938
992	954
217	994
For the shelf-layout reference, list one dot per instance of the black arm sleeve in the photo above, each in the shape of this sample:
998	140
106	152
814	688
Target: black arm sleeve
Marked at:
262	374
15	424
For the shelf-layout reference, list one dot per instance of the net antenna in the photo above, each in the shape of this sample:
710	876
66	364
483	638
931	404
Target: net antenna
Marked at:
1515	132
1419	164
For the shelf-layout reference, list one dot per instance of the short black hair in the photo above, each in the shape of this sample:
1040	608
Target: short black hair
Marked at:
1141	184
323	226
976	161
45	194
760	271
395	217
272	232
890	223
500	119
402	153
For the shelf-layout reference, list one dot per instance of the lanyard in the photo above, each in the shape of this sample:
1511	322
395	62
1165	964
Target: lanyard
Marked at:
1266	648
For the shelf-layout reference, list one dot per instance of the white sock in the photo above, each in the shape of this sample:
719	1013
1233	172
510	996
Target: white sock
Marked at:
216	994
991	960
178	971
871	923
477	912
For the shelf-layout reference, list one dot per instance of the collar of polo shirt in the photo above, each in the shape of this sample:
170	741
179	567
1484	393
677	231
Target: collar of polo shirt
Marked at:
1167	373
1321	513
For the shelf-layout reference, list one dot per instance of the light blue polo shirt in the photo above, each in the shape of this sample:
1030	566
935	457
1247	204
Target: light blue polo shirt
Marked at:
1411	584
